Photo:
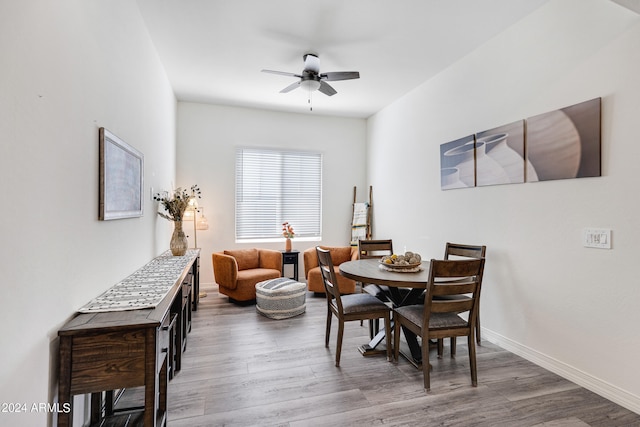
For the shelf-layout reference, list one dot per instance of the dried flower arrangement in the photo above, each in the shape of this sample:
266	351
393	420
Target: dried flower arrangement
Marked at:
176	203
287	230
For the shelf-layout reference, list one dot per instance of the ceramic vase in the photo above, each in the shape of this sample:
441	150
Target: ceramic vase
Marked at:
463	159
488	171
450	178
287	245
507	157
179	242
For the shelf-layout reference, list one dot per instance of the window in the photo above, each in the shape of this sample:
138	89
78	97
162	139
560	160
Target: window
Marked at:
274	186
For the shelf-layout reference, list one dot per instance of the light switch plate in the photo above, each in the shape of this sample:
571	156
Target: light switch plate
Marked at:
597	238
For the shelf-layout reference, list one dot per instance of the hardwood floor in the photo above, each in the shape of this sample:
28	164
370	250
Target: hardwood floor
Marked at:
242	369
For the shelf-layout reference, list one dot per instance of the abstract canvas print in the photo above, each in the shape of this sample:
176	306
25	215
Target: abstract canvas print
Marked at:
121	178
457	163
564	143
500	155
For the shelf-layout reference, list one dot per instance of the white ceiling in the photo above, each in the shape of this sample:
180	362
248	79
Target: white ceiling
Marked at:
213	50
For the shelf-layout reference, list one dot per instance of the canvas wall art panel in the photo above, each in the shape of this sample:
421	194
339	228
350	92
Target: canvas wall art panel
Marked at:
500	155
457	163
121	178
565	143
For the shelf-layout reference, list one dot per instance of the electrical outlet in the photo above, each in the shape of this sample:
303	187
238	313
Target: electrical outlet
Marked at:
597	238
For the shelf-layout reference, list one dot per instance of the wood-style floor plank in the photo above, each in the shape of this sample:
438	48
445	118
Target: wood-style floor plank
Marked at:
242	369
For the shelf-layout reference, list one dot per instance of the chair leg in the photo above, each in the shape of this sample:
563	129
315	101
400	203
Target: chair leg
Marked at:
339	344
426	366
440	347
362	291
328	331
387	329
472	360
452	345
396	339
478	326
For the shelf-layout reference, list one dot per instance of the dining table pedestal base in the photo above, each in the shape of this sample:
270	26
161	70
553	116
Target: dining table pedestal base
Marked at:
367	350
411	351
371	348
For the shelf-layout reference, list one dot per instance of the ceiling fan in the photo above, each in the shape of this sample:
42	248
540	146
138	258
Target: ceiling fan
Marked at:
311	78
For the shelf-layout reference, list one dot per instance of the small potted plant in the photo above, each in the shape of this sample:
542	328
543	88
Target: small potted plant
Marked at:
287	232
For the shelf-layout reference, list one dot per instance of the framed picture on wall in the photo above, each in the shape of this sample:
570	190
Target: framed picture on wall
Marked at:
121	178
565	143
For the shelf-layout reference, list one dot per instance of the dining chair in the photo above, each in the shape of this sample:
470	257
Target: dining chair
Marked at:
375	248
462	251
368	249
441	318
362	306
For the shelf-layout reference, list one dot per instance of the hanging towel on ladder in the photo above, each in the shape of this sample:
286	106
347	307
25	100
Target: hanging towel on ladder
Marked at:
359	223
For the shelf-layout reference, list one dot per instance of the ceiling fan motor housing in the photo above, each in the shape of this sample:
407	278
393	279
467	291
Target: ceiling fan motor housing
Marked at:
311	62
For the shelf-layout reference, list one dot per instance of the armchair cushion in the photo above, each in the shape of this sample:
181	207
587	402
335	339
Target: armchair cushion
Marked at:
340	255
246	258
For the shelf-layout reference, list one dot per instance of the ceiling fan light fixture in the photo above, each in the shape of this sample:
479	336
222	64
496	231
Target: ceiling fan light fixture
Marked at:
310	85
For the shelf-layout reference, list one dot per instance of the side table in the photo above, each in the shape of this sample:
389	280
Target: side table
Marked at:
290	257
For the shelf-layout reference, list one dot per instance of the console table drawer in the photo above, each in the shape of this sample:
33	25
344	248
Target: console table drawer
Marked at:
107	361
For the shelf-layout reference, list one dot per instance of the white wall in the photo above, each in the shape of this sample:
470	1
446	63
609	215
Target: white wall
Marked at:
571	309
207	139
69	68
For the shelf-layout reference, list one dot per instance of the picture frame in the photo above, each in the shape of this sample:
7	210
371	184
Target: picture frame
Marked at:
121	178
566	143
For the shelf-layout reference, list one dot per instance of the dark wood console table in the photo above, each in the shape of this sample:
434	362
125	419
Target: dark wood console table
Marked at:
114	350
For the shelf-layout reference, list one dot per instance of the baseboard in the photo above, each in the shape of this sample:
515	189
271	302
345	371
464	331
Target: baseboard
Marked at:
602	388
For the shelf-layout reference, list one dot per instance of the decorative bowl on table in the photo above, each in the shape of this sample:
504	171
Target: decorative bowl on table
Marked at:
407	263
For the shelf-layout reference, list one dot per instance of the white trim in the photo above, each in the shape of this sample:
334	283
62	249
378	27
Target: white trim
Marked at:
596	385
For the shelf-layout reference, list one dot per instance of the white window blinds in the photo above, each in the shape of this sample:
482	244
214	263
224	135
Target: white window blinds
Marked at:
274	186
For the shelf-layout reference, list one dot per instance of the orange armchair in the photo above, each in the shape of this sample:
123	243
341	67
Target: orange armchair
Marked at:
338	256
237	272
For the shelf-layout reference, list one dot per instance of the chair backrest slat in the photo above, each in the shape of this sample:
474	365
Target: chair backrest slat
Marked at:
454	288
467	251
374	248
451	306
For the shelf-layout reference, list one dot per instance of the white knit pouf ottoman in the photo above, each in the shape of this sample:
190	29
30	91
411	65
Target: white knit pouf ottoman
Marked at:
280	298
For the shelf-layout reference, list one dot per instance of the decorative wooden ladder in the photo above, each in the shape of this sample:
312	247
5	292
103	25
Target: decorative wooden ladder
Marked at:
361	218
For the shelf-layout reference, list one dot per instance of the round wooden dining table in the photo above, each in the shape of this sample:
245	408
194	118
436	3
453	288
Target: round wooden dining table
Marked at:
405	288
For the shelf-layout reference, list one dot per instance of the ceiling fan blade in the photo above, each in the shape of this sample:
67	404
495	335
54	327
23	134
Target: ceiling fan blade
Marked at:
326	89
311	63
281	73
340	75
291	87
